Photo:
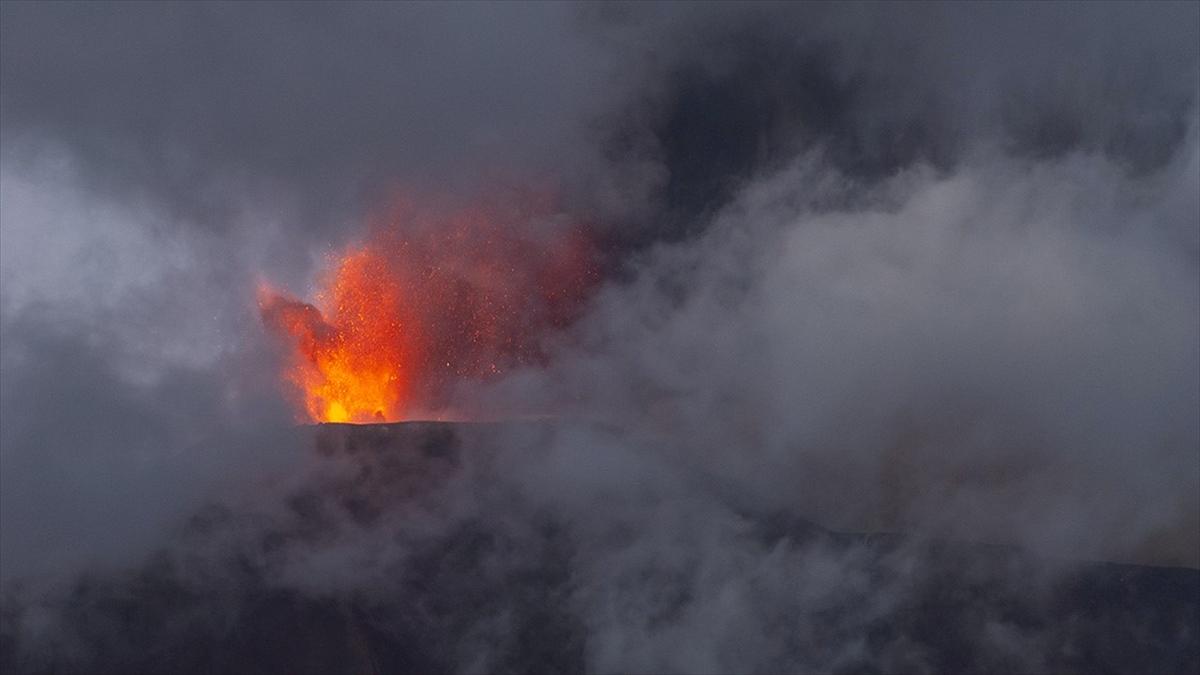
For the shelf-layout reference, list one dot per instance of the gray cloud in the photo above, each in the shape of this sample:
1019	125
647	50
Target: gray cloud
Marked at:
320	103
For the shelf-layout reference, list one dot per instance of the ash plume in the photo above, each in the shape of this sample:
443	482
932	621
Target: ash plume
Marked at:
889	360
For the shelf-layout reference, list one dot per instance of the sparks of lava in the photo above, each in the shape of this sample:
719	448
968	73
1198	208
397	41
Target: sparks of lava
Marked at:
427	300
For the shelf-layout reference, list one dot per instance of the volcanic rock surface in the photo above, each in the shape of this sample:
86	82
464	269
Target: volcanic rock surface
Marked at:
400	553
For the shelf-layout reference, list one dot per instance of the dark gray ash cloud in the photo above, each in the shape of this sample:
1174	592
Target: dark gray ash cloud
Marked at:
931	268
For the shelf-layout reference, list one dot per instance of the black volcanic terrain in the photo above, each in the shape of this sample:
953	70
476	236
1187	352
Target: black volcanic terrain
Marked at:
444	585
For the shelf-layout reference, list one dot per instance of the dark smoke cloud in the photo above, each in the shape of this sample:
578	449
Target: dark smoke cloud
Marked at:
882	88
922	267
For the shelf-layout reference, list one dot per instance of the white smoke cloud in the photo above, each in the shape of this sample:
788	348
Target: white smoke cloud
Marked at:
1008	352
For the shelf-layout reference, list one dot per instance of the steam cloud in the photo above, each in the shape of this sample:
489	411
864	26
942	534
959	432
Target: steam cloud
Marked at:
931	269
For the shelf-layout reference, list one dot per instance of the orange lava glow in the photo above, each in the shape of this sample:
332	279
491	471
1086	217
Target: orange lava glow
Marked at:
429	299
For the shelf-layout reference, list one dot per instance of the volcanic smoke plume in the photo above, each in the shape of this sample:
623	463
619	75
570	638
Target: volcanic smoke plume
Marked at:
430	298
607	337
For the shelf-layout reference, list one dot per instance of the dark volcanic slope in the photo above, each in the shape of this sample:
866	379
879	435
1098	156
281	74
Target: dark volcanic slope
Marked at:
456	569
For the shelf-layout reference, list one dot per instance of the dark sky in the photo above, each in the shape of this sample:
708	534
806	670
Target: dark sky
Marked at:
916	266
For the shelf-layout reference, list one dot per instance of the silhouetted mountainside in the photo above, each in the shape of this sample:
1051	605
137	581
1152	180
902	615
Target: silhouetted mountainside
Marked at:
374	565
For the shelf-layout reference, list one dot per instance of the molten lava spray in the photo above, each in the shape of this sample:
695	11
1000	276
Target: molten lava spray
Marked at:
430	298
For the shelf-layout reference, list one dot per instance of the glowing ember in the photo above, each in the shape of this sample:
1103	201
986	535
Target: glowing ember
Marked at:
429	299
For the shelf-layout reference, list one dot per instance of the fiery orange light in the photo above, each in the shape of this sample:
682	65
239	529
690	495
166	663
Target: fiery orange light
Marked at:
428	299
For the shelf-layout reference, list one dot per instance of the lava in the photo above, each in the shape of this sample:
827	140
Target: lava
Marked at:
430	298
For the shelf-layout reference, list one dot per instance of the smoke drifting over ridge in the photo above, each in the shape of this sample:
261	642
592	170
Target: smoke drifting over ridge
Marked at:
920	268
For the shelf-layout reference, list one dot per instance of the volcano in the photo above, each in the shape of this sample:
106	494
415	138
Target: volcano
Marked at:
235	593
